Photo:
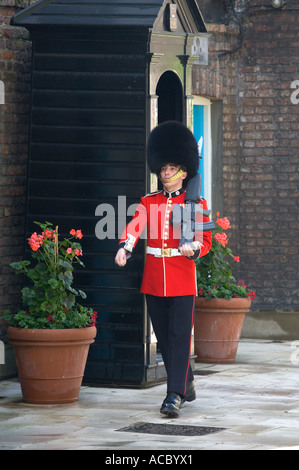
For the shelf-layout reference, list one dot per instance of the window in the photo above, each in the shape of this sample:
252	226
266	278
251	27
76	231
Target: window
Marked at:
202	133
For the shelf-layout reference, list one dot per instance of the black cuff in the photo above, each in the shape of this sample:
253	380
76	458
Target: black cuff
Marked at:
195	256
122	245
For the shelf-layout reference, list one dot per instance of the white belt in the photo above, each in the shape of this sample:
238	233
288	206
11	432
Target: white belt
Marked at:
164	252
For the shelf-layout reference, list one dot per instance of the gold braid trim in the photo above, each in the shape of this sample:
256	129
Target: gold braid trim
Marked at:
174	177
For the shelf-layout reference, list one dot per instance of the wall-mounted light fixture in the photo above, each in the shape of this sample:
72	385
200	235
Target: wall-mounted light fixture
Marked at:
277	3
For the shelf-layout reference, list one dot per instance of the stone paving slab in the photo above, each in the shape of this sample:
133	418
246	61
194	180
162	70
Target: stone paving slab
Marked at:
255	400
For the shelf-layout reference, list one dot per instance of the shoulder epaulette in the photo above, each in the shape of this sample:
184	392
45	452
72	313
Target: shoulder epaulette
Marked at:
152	194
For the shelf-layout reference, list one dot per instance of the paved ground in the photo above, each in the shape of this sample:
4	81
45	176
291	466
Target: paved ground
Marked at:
255	400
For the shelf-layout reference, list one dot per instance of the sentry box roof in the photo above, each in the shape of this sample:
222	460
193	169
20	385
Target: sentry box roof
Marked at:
113	13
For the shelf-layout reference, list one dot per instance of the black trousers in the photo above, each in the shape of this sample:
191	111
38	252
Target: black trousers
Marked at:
172	320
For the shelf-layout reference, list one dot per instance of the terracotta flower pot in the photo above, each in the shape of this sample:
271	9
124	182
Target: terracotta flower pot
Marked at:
217	328
51	363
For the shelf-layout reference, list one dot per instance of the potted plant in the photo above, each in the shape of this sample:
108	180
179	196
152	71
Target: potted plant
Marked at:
52	333
222	301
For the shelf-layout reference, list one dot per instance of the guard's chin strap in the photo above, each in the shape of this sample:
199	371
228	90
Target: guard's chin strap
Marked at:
174	177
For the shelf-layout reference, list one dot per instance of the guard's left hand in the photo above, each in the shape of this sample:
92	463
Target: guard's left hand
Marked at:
186	250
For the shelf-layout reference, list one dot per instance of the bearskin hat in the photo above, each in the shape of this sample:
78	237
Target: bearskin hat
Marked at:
172	142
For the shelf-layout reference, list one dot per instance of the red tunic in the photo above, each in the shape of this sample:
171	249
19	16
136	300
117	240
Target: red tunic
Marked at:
164	276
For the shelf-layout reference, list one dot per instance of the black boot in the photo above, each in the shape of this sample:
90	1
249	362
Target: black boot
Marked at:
171	405
190	393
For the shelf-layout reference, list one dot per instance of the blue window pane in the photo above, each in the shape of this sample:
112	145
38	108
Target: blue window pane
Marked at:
198	129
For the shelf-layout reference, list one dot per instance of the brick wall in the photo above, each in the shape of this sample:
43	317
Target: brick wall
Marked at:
15	67
269	160
260	147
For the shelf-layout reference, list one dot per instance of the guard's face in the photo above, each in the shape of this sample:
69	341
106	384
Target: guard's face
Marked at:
168	171
172	177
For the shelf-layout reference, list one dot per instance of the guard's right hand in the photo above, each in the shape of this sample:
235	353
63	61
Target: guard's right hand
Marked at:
121	257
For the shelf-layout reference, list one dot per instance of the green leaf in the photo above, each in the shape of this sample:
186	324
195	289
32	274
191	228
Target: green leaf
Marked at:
20	265
83	295
65	264
69	301
53	283
66	277
71	289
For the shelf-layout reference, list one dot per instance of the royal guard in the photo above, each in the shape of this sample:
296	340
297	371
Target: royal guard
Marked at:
169	277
